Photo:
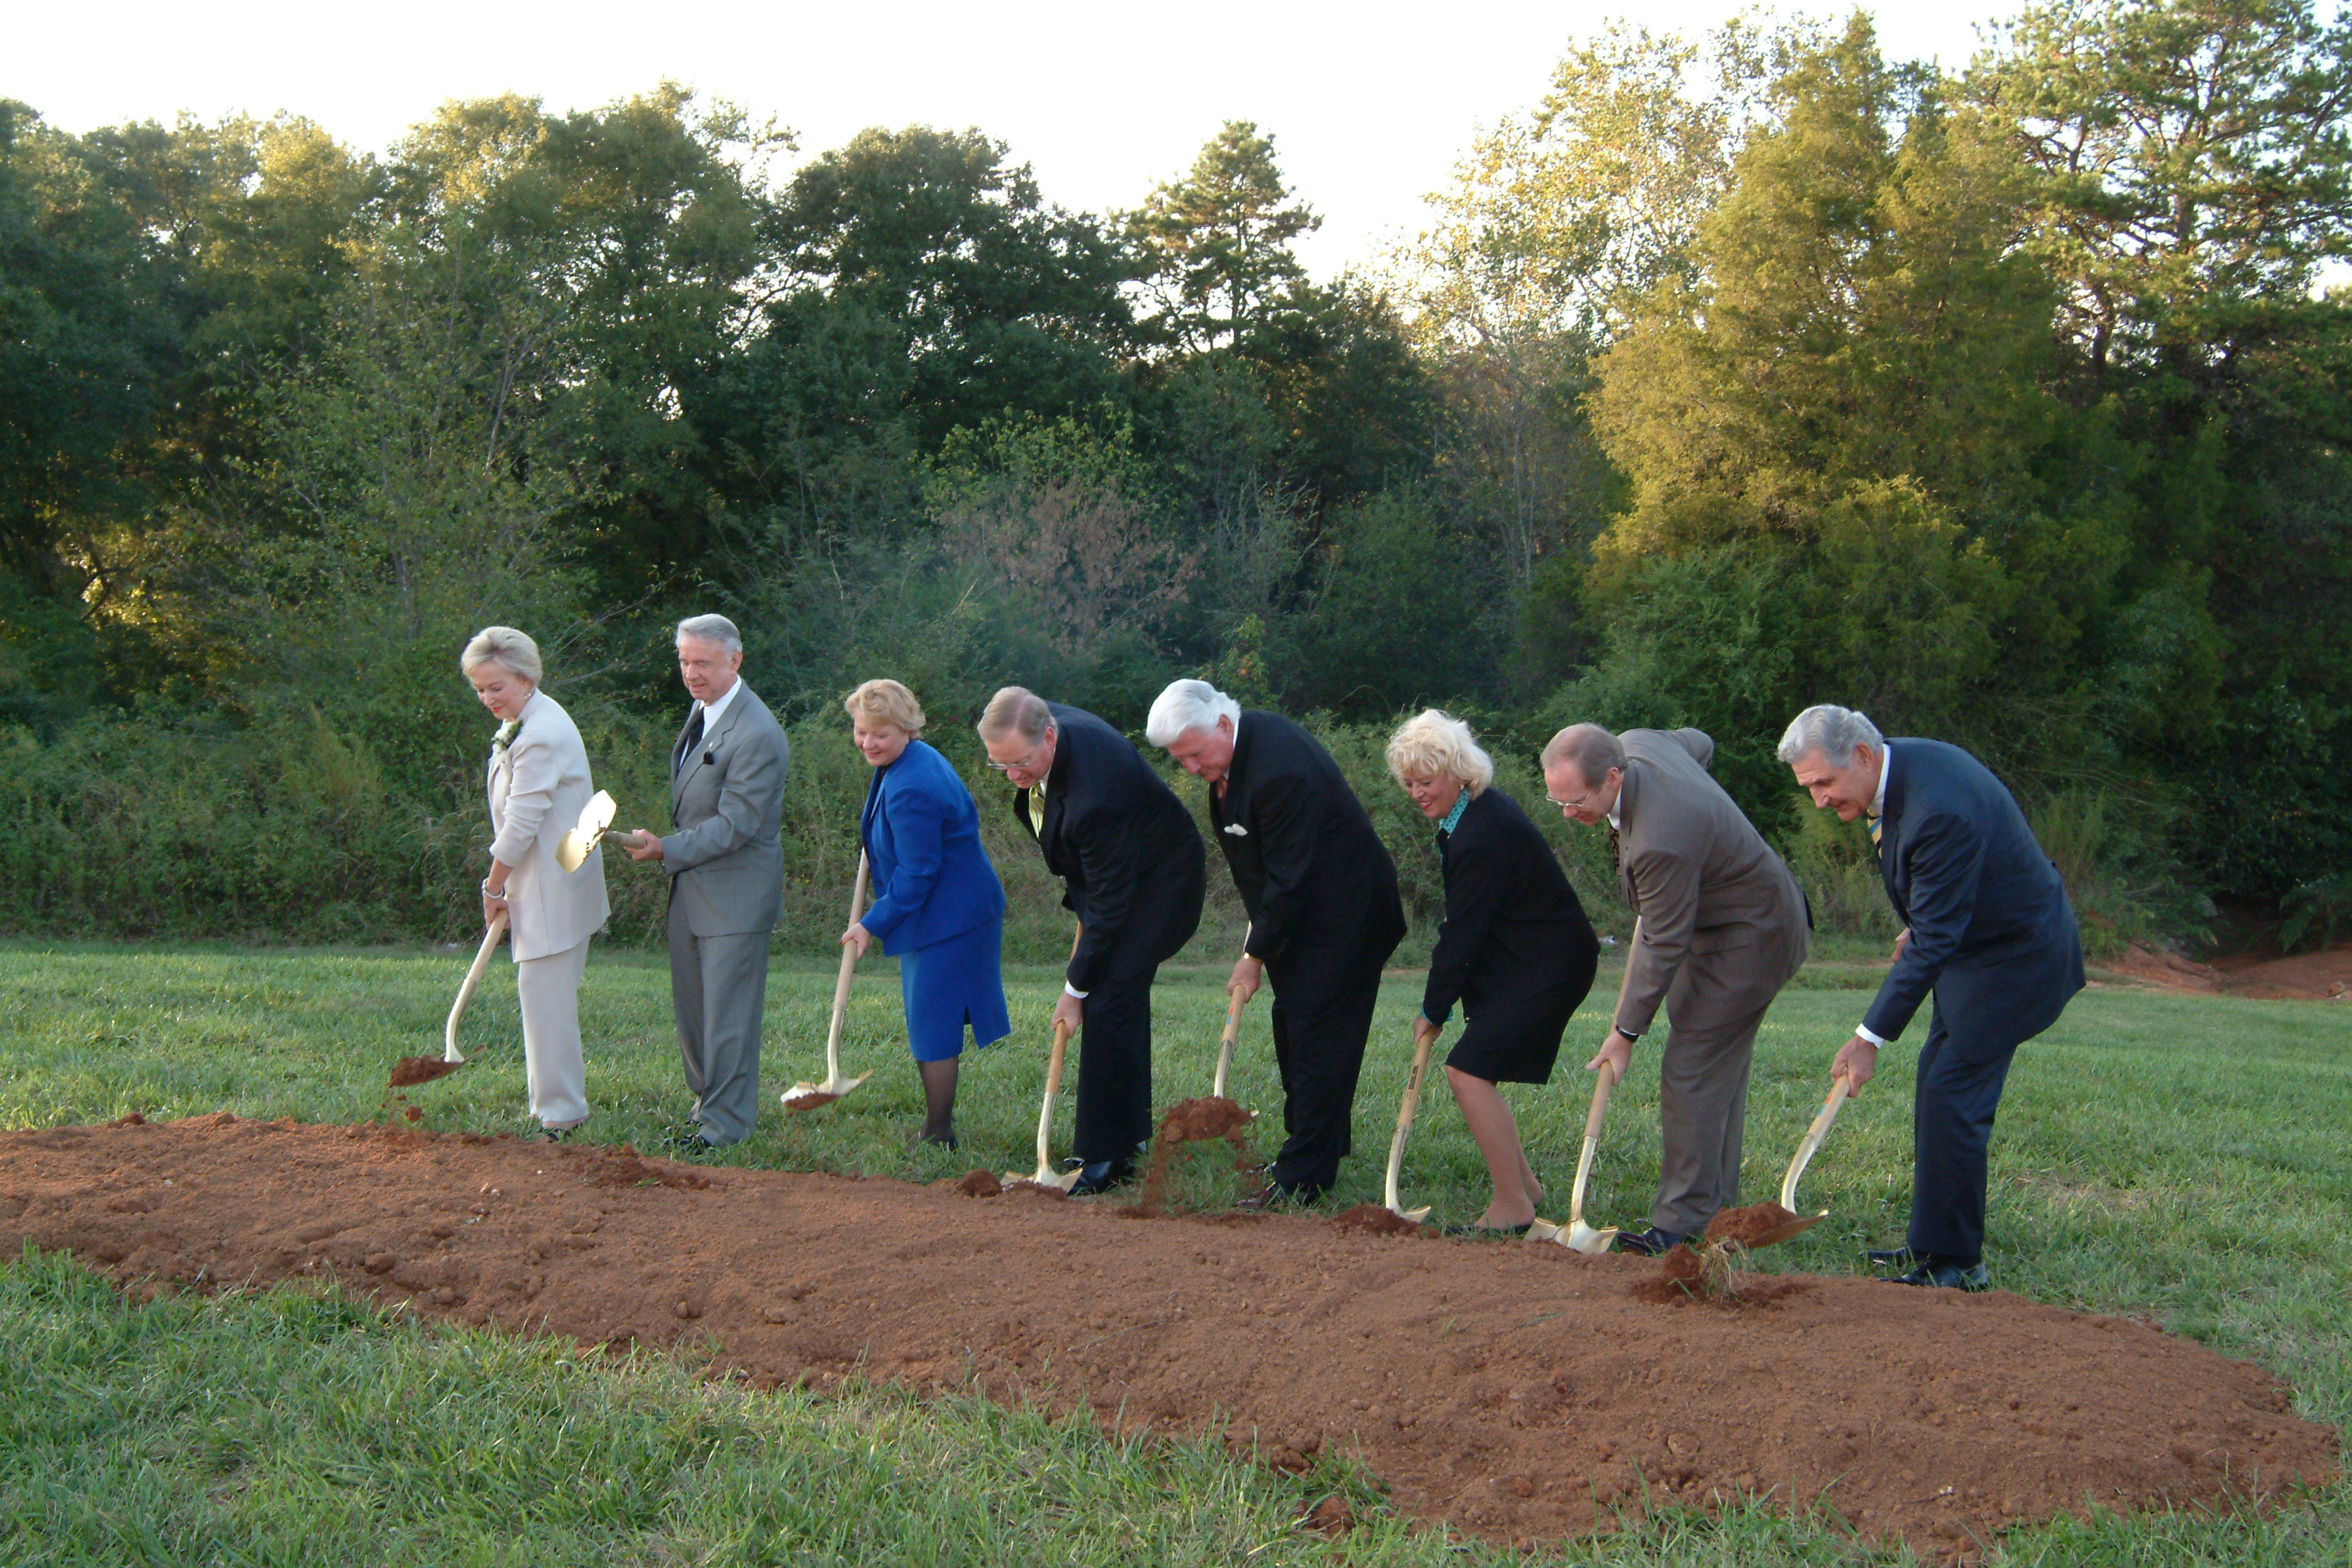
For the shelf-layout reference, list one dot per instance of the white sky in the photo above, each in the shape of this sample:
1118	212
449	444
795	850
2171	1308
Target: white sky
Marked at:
1368	103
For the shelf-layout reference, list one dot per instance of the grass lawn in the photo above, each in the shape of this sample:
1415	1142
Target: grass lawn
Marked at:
2178	1159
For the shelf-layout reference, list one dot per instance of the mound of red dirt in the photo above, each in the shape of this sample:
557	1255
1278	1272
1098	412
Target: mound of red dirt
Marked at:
1525	1393
2323	976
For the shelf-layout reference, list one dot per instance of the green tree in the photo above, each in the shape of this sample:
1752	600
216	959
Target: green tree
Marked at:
1222	236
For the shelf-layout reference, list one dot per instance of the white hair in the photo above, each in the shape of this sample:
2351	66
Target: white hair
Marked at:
510	650
1187	706
1832	730
716	629
1434	744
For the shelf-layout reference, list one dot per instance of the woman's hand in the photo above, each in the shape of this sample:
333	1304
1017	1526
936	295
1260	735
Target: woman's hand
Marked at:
493	905
857	938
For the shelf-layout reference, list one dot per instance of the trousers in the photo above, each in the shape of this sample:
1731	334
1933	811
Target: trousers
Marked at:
557	1079
719	992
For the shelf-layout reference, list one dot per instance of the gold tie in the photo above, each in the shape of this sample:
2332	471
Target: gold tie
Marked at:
1874	824
1038	810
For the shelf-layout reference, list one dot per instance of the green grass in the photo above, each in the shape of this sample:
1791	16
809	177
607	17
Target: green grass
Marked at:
2180	1160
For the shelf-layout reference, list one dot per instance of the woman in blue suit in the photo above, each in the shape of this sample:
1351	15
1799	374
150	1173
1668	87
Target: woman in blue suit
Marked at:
938	906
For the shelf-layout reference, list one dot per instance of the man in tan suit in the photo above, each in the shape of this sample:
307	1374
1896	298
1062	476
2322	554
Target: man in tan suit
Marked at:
1720	926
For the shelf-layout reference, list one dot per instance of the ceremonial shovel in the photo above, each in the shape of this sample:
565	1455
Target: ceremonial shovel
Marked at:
1046	1175
449	1051
1225	1045
595	821
1576	1235
1405	1126
806	1096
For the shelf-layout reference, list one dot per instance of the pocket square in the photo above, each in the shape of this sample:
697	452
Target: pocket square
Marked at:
1238	830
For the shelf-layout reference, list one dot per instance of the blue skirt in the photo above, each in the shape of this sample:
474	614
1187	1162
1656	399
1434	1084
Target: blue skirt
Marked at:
953	982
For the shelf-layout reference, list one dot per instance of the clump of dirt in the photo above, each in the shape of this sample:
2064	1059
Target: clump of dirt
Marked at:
1373	1219
1332	1516
413	1114
410	1071
622	1167
1513	1391
980	1184
133	1120
1026	1185
1196	1121
1751	1225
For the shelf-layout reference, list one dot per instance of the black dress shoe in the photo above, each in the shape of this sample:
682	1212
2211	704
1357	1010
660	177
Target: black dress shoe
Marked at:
1277	1195
550	1135
1894	1257
687	1140
1939	1275
1648	1243
1102	1176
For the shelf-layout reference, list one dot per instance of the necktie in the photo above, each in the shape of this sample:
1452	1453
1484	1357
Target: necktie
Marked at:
1038	810
1616	856
693	739
1875	823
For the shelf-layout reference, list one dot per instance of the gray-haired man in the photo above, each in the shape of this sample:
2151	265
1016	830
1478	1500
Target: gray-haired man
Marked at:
726	865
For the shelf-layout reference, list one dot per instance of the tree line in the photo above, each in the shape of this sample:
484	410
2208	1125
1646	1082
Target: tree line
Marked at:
1743	371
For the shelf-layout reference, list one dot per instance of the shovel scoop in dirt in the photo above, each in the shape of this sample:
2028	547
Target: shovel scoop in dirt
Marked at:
1768	1224
1577	1236
807	1096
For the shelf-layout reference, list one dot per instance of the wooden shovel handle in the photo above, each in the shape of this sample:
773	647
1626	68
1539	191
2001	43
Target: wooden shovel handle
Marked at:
848	968
1605	1081
1813	1136
498	928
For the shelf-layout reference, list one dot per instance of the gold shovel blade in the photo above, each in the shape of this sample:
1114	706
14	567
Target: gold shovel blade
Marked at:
595	819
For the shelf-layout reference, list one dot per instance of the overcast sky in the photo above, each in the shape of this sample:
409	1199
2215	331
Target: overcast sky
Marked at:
1368	104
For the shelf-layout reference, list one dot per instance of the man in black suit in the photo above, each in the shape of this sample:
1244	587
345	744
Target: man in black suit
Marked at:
1321	893
1132	871
1987	930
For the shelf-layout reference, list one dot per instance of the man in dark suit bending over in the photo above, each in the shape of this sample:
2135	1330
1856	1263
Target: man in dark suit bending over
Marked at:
1321	893
1132	871
1987	930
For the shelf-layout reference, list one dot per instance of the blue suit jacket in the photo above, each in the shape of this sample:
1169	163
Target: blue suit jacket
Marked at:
1991	932
931	879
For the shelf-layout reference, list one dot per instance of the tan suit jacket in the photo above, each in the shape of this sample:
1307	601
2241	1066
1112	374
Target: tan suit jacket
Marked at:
1721	922
538	783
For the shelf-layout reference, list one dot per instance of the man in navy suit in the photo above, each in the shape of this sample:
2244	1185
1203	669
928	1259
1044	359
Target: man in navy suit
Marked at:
1987	930
1133	871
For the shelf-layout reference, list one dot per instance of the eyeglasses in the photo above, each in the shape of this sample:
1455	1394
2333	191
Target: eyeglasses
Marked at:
1581	801
1025	764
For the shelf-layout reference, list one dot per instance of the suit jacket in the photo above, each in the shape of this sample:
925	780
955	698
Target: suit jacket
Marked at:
726	861
1992	933
1514	930
538	785
922	830
1311	869
1129	857
1704	883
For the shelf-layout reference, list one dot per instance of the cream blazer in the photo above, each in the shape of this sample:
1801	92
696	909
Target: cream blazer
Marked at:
538	785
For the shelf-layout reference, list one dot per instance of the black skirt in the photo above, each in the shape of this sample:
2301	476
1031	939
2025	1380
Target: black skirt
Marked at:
1517	1041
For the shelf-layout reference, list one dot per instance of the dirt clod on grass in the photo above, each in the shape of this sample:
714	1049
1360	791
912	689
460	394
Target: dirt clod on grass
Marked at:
410	1071
980	1184
1376	1219
1522	1394
1211	1116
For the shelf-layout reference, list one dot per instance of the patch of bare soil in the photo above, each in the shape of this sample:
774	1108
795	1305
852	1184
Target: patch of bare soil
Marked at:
2323	976
1523	1393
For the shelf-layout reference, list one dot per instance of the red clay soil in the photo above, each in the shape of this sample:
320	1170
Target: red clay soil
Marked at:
1750	1225
2261	976
1524	1393
410	1071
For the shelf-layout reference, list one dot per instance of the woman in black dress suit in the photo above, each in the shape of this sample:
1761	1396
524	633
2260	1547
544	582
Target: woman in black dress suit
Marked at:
1515	950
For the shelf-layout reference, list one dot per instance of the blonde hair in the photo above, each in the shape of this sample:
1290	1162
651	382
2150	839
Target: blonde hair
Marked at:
886	702
510	650
1434	744
1015	711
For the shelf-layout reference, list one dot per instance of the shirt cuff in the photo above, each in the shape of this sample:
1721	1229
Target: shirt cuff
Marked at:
1070	990
1863	1031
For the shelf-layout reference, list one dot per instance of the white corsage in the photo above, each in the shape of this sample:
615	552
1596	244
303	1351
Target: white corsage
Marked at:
505	737
1238	830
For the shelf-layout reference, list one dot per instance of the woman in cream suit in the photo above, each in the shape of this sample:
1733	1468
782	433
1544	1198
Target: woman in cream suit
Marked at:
538	783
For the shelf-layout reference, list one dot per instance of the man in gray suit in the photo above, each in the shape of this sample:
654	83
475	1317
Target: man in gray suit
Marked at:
1719	927
726	865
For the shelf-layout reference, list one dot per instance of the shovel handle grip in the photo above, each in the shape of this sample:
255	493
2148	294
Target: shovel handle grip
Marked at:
498	928
1604	1079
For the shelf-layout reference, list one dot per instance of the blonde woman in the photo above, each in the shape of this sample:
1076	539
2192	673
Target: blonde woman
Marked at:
1515	950
538	783
938	906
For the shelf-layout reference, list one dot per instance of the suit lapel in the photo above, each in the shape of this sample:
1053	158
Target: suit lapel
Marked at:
1890	831
1628	792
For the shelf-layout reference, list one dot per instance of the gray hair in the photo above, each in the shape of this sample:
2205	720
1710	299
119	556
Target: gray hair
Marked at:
716	629
1591	748
1015	711
1187	706
510	650
1434	744
1832	730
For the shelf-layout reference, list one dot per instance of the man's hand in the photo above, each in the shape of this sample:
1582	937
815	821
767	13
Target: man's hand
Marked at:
1422	1029
643	844
1902	941
1248	975
1617	1050
1069	1013
858	937
1856	1060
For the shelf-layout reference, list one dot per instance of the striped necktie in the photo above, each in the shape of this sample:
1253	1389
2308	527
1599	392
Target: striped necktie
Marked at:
1038	809
1875	826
